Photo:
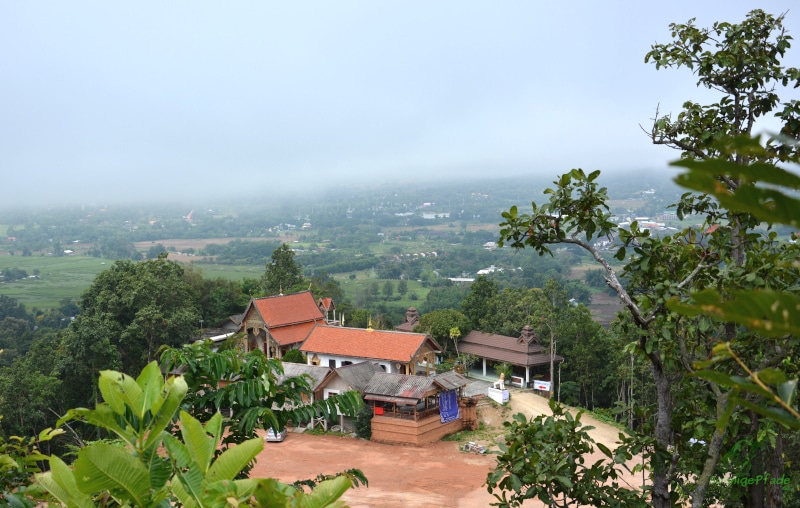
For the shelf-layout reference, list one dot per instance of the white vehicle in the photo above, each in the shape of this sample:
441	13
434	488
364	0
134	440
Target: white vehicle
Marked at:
275	437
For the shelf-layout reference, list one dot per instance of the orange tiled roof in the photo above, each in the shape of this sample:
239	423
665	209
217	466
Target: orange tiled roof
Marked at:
285	310
326	303
292	334
360	343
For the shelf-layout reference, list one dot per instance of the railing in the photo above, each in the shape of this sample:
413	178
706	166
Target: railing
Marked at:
412	415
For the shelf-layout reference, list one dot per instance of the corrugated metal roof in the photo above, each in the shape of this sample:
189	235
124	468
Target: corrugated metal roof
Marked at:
450	380
358	375
399	385
318	373
394	400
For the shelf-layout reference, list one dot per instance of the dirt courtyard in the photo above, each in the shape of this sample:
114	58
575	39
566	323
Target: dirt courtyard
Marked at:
438	475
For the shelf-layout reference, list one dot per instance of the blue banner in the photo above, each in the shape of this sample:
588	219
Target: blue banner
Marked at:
448	406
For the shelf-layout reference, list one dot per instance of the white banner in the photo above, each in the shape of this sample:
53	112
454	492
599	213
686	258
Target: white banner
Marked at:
541	385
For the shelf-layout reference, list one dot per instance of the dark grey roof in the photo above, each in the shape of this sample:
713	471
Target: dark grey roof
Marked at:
358	375
450	380
318	373
502	348
400	388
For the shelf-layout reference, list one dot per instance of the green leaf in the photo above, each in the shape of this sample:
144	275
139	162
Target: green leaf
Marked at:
198	443
104	417
787	391
604	449
176	389
234	459
102	467
120	390
60	482
768	312
326	492
772	376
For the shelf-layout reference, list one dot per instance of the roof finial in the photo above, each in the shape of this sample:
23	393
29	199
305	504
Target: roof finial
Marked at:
280	290
369	325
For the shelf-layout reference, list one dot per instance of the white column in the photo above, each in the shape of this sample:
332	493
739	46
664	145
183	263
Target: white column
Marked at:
484	367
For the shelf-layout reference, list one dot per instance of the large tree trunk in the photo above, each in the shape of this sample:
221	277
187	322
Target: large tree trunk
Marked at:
661	469
776	470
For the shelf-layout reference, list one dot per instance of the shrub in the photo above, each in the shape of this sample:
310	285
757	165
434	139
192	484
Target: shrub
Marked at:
363	422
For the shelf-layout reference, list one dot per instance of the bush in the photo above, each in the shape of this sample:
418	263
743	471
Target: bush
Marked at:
294	356
363	422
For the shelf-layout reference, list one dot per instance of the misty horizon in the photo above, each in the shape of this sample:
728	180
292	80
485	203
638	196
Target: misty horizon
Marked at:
129	104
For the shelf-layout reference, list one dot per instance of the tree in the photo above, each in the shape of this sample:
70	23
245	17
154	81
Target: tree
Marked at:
742	62
402	287
247	385
444	297
475	303
218	298
11	307
440	323
283	274
127	314
388	289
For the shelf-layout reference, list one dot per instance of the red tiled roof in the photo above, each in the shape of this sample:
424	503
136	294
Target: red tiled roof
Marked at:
326	303
360	343
292	334
285	310
502	348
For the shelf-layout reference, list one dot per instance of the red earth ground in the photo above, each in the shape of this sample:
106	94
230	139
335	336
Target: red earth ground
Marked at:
438	475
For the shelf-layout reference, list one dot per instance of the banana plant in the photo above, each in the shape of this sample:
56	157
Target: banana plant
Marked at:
150	467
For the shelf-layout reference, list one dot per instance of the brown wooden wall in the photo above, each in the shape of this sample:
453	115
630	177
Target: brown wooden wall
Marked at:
386	429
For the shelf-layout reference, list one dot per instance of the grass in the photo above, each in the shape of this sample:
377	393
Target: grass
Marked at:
482	433
352	288
230	272
60	278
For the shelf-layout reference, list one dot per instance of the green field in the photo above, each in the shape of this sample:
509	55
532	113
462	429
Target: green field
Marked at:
59	278
232	272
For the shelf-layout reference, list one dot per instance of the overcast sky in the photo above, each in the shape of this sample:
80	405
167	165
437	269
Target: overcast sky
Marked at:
137	100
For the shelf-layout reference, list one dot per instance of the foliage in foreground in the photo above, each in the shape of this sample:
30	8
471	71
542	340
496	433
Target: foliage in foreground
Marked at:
251	387
544	459
189	471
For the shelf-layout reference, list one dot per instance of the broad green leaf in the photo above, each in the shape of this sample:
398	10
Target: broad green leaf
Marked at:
188	486
151	382
102	467
120	390
176	389
234	459
199	444
326	493
104	417
60	482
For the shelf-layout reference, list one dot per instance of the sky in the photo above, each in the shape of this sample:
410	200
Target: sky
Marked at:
128	101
